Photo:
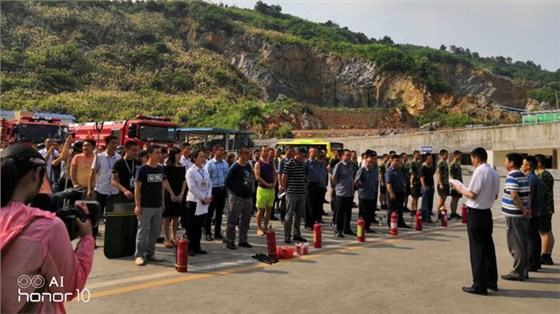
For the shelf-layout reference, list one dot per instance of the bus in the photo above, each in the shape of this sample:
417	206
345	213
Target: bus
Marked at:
330	147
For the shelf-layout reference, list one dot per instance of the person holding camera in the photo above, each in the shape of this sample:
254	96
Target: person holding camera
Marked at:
35	243
199	197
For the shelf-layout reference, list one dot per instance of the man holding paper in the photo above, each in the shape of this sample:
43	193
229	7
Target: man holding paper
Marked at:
481	194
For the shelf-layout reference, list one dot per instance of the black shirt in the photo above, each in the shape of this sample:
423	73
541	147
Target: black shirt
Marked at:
126	170
152	185
428	174
239	180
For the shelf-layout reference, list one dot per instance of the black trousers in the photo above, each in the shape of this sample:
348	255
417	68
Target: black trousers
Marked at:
194	227
367	210
481	246
314	208
534	244
396	206
343	213
216	206
102	199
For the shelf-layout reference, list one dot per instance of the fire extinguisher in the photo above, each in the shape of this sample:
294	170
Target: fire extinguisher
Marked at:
361	230
394	230
317	236
443	216
418	220
464	214
271	242
182	252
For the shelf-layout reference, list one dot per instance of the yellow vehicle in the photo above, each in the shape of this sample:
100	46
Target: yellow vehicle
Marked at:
330	147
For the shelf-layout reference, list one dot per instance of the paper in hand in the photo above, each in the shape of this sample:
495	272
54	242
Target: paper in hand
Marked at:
459	183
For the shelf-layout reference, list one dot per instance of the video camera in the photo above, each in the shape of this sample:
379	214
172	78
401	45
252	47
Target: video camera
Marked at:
64	205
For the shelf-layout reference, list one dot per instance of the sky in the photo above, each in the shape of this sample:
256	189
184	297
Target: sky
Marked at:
522	30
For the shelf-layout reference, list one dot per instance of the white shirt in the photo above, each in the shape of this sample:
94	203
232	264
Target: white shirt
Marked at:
200	187
103	166
485	183
53	156
186	162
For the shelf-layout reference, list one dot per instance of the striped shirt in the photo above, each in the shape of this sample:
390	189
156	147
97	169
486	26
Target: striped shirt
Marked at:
518	182
296	173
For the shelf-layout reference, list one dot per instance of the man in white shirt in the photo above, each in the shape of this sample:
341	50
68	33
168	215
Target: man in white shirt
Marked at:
49	153
100	175
481	194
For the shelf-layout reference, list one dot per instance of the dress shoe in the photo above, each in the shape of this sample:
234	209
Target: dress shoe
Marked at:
230	246
338	235
299	238
245	244
533	269
192	253
350	232
209	237
369	230
405	226
218	236
492	287
201	251
474	291
512	277
287	240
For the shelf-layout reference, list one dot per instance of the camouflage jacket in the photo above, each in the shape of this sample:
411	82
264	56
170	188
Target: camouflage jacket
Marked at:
443	169
455	171
415	167
548	182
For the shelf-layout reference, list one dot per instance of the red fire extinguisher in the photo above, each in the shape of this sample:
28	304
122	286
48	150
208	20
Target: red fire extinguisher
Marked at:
271	242
443	216
182	252
418	220
394	230
464	214
317	236
361	230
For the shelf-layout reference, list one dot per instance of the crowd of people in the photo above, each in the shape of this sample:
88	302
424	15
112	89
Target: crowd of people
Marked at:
194	188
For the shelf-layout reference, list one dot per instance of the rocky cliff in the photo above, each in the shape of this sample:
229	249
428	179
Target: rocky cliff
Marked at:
312	76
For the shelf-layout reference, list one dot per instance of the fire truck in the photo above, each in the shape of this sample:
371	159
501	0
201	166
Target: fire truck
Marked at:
144	130
30	128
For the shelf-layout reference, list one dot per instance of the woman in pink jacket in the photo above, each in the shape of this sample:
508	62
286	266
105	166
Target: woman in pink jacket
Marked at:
37	259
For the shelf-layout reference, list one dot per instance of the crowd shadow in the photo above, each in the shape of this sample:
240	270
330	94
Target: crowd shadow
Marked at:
527	294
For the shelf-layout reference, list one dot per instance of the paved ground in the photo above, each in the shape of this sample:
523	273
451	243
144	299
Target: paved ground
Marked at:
415	271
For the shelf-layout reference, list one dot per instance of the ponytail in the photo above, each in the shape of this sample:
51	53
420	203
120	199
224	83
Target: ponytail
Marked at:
17	161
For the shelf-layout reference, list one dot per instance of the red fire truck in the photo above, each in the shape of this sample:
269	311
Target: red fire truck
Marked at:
144	130
29	128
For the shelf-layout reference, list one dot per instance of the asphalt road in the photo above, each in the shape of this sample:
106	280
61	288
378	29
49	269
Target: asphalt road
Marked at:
415	271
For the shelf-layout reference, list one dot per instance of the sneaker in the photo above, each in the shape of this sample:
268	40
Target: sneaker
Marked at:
245	244
139	261
547	260
155	258
299	238
455	216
